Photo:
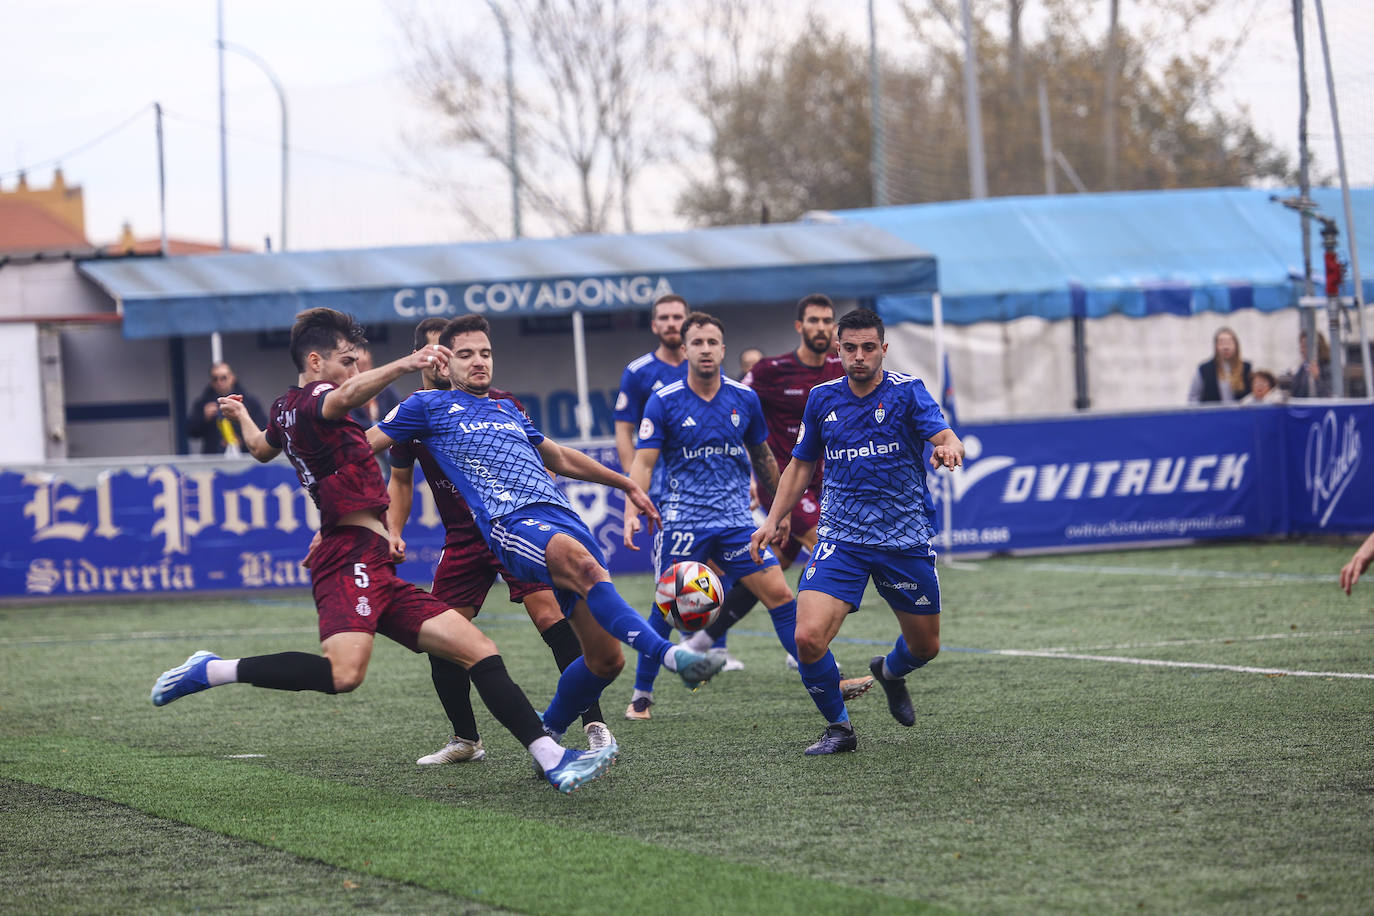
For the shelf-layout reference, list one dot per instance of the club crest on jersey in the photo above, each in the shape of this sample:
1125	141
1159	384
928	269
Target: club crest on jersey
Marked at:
801	431
363	609
734	417
879	413
646	428
320	389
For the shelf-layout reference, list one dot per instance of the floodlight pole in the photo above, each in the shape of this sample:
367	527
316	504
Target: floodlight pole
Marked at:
217	342
285	147
877	160
514	162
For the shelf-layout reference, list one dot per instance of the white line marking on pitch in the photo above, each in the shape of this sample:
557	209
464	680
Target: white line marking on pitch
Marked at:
1205	641
1181	573
1160	663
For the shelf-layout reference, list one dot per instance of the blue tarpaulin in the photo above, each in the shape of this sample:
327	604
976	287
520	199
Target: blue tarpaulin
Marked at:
198	294
1132	253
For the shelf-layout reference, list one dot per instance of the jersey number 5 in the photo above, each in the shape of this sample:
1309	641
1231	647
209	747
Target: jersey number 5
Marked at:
360	575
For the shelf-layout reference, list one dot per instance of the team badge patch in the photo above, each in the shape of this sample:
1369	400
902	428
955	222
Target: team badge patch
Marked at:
801	431
734	417
879	413
363	609
646	428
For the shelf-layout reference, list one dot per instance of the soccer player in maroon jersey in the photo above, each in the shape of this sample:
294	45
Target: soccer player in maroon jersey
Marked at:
467	569
357	593
783	384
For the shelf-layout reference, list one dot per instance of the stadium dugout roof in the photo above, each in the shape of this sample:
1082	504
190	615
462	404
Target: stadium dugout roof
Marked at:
1136	253
160	297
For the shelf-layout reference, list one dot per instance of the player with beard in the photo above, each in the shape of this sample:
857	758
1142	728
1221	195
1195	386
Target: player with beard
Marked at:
467	569
872	427
356	590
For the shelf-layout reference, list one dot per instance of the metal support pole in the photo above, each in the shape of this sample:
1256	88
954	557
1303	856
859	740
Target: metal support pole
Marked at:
584	408
877	160
513	163
285	147
1046	141
216	342
161	184
977	165
1355	276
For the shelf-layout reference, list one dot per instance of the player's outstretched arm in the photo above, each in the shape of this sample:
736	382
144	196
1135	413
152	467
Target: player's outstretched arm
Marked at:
365	386
400	489
791	485
641	473
949	451
571	463
253	438
1351	572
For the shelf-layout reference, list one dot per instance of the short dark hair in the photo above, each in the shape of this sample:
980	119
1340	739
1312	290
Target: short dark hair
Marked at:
664	300
426	328
817	299
857	320
464	324
322	331
1267	376
700	318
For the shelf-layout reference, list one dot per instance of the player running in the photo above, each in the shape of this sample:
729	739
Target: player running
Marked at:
871	427
709	431
783	384
498	461
467	569
357	593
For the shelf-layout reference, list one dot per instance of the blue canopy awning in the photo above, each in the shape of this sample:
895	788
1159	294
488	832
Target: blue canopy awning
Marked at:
199	294
1132	253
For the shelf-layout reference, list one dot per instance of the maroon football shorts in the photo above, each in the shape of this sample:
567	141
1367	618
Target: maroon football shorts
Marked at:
357	590
467	568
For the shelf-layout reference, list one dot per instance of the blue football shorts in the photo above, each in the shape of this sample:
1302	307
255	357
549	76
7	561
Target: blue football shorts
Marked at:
905	577
728	548
521	539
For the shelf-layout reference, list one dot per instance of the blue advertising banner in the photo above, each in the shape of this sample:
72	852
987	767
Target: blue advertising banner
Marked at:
185	526
1329	487
188	525
1210	472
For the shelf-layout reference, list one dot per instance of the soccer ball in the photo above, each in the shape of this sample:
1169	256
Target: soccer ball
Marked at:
689	596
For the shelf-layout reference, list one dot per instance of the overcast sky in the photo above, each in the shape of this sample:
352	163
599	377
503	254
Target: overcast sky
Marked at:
76	70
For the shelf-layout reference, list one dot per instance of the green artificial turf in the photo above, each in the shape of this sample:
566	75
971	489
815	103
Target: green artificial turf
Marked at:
1031	783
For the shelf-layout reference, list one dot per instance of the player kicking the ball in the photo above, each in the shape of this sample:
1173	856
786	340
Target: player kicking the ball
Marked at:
467	569
871	427
709	431
357	593
498	461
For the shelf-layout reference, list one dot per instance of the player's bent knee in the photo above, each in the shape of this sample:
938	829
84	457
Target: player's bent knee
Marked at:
811	647
347	678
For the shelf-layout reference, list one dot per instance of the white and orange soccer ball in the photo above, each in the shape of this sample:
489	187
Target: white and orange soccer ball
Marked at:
689	595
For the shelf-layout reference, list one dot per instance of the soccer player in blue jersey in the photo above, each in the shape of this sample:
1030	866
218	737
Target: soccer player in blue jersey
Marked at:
498	461
709	431
871	426
646	374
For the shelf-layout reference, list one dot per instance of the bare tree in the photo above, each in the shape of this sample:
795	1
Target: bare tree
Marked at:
585	73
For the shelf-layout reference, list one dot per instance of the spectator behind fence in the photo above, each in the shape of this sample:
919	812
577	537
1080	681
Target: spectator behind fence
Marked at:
1312	380
218	434
369	414
1264	389
1225	377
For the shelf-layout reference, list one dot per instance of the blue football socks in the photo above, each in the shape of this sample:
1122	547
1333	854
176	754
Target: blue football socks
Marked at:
822	680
